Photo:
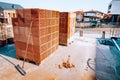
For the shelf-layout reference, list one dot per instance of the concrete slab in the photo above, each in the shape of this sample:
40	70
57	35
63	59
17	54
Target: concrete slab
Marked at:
79	52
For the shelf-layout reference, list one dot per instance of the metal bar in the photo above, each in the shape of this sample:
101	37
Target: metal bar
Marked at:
116	44
7	60
27	44
21	71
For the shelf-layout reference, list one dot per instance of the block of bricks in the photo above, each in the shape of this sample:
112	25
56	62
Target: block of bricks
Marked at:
44	33
66	27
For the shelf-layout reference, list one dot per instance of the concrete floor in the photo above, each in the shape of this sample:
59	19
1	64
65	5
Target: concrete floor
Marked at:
79	52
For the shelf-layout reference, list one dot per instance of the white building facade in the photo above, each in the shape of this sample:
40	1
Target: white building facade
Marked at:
114	10
114	7
93	15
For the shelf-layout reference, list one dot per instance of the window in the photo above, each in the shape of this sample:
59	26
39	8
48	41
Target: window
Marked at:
109	11
109	7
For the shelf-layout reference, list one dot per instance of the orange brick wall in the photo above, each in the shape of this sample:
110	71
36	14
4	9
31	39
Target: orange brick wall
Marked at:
66	27
44	38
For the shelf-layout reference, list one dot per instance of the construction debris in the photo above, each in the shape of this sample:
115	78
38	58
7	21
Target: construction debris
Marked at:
66	64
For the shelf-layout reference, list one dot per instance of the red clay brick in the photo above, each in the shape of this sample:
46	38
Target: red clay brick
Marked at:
41	42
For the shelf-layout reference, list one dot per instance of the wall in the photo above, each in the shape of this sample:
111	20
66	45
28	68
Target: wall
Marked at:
115	7
90	14
1	13
79	17
9	14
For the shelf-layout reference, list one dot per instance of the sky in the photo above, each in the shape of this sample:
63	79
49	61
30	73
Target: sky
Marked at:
64	5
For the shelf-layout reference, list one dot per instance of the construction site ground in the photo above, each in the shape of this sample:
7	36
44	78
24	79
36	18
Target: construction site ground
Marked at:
52	68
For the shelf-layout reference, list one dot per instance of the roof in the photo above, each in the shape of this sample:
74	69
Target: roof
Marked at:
9	6
79	12
93	11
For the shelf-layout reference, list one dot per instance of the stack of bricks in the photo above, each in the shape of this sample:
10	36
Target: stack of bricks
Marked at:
44	33
66	27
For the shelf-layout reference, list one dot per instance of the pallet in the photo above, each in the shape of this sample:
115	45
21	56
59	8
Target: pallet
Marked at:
28	60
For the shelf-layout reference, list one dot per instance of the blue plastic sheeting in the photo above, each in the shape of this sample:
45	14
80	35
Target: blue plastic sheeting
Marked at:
8	50
9	6
107	61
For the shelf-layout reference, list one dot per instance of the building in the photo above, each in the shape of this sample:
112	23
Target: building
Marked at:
93	15
114	10
7	11
79	16
114	7
88	18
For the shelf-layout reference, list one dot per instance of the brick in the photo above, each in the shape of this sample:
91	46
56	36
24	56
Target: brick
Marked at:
27	22
19	13
44	34
42	23
35	31
21	22
15	22
43	48
20	53
66	27
36	41
35	13
48	14
27	13
36	49
49	44
42	13
16	30
47	22
49	30
29	56
36	22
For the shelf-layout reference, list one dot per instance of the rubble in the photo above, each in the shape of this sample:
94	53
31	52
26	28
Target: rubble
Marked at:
66	64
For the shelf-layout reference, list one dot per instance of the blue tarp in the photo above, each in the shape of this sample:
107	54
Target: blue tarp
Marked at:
107	65
8	50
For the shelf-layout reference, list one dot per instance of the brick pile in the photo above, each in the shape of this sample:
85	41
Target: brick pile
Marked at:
44	37
66	27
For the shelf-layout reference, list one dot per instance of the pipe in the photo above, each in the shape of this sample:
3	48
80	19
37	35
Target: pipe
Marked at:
116	44
89	64
7	60
19	69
